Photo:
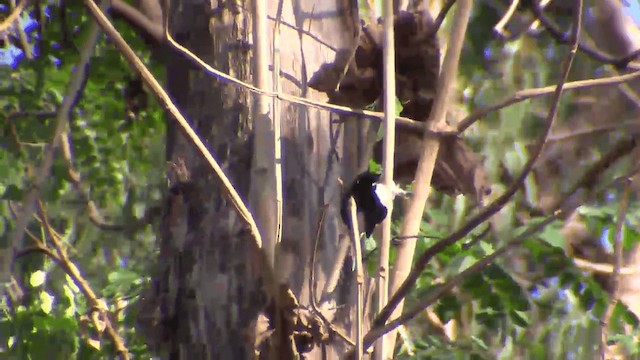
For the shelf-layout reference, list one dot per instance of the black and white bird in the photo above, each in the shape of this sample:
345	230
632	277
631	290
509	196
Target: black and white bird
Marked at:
373	199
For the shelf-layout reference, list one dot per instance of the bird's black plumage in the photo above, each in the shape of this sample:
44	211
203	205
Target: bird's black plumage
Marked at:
363	190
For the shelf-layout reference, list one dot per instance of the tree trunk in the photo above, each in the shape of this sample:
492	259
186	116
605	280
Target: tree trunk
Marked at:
207	287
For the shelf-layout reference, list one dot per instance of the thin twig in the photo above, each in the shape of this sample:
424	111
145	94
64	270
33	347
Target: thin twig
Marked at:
487	212
527	94
21	33
389	63
15	15
437	23
312	282
586	265
97	304
355	240
617	264
75	87
630	125
36	114
499	28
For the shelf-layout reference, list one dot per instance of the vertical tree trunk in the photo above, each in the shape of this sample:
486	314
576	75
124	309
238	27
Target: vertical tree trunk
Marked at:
208	288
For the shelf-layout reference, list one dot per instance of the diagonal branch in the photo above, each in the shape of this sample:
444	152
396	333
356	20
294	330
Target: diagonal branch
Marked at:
493	208
98	305
15	15
592	52
437	292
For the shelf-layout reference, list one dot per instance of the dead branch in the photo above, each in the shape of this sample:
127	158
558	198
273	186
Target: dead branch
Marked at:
343	110
437	22
432	296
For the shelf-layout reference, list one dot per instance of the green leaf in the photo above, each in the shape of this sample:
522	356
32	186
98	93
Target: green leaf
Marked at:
37	278
479	342
46	302
519	318
630	237
447	308
13	193
552	235
603	212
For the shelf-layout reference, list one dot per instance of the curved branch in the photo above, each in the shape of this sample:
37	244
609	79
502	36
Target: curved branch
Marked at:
151	30
594	53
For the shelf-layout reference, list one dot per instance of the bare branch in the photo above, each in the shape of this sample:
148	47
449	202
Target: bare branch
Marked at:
454	281
355	241
617	264
389	100
437	22
594	53
499	27
98	305
422	183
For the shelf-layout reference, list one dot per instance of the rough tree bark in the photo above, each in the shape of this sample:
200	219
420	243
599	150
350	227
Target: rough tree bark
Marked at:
207	292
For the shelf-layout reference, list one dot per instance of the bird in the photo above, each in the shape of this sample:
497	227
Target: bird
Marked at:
373	200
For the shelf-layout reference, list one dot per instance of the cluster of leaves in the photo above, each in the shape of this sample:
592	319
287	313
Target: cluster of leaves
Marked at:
56	322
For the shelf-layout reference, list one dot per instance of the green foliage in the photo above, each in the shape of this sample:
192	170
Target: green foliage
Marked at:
56	320
122	171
